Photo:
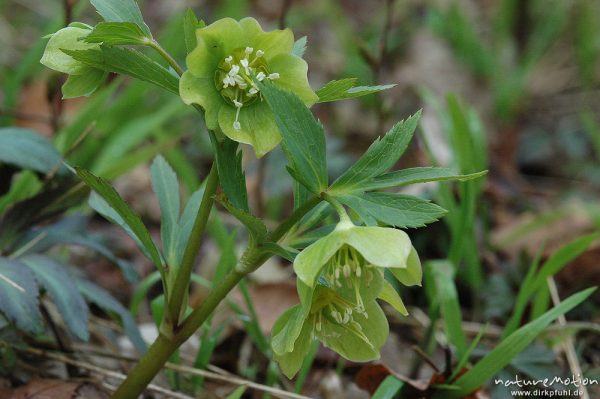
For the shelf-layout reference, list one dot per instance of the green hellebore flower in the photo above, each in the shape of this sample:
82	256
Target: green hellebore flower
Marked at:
83	80
351	256
220	79
331	317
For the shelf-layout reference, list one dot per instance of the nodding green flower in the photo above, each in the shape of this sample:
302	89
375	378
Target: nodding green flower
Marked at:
352	256
330	317
83	80
221	72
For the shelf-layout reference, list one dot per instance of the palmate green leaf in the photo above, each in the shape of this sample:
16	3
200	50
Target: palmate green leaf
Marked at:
116	209
344	89
106	302
379	157
19	296
416	175
64	293
231	174
510	347
166	187
118	33
121	11
27	149
127	62
83	85
303	138
397	210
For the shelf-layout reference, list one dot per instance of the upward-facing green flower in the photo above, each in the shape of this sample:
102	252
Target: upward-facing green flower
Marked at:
229	54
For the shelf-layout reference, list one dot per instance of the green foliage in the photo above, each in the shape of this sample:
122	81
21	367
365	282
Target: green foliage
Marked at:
127	62
231	174
389	388
118	33
380	156
506	350
109	203
417	175
121	11
303	139
344	89
19	296
28	150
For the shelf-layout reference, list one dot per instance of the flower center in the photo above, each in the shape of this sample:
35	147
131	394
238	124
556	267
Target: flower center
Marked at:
348	266
330	308
233	78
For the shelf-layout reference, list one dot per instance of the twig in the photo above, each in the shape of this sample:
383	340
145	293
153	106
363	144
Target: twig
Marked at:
217	374
569	345
107	373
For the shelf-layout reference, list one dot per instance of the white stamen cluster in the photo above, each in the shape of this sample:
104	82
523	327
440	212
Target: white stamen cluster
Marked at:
238	77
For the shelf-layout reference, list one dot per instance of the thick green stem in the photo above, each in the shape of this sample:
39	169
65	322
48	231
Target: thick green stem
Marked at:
160	351
184	271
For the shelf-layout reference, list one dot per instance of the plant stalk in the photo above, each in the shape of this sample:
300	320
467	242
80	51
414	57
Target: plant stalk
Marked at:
162	349
184	271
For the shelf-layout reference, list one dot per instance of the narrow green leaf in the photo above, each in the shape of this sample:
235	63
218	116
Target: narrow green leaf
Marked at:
121	11
186	222
536	281
127	62
83	85
19	296
344	89
118	33
416	175
303	138
105	301
231	173
398	210
441	275
506	350
237	393
380	156
27	149
166	187
127	219
63	291
389	388
23	185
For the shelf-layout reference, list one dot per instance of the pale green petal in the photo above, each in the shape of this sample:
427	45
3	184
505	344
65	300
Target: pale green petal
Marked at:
351	346
203	60
309	263
290	362
293	76
66	38
381	246
413	273
369	289
391	296
84	84
202	91
258	127
286	330
222	36
251	29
